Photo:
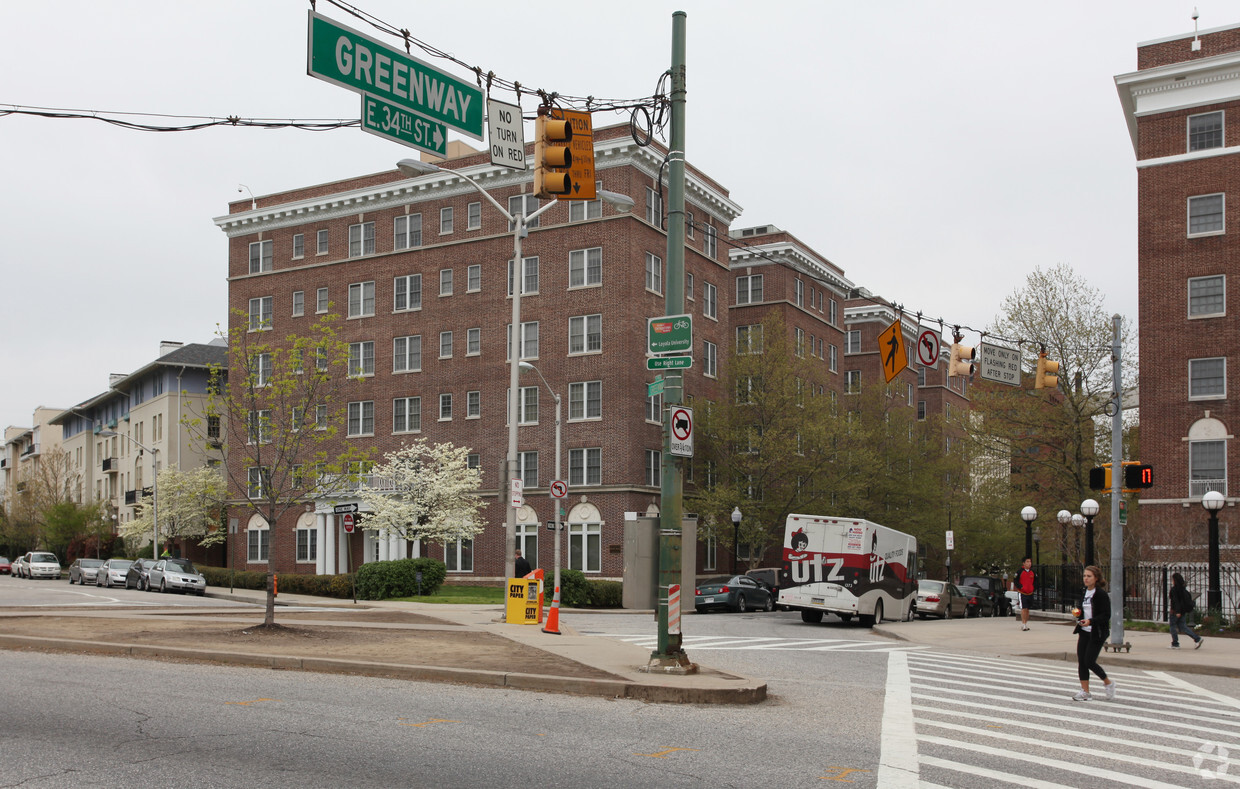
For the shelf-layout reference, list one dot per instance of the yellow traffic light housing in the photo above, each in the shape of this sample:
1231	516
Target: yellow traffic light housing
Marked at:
552	157
960	363
1047	376
1100	477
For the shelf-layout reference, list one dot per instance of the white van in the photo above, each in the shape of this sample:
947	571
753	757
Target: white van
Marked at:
849	567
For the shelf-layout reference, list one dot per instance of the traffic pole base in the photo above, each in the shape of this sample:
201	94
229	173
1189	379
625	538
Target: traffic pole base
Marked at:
676	663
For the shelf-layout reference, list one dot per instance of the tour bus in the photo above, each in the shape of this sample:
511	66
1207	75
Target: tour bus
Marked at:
849	567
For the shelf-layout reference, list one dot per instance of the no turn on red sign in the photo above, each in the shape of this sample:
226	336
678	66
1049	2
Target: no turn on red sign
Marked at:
680	431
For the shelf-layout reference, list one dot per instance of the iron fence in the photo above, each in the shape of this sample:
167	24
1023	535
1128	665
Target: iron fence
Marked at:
1146	588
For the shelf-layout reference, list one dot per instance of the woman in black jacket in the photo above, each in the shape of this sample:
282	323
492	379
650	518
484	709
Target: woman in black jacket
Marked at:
1181	605
1093	625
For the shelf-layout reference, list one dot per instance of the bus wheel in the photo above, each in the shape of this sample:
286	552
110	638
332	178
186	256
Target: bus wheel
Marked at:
812	617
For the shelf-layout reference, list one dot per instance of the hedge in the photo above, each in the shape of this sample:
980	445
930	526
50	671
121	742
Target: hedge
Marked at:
577	591
398	578
292	583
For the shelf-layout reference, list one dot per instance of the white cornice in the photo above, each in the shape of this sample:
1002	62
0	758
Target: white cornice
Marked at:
1178	86
446	184
794	255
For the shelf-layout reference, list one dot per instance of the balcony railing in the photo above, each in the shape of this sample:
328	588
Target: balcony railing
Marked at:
132	497
30	450
111	465
1199	487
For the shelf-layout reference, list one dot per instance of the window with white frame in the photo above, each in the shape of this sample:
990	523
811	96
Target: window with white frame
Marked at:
473	278
1207	467
710	359
361	299
749	339
921	410
654	207
321	304
362	418
1207	378
832	312
654	273
445	406
445	221
1205	215
529	278
307	544
445	345
688	224
299	245
361	359
689	294
407	354
710	300
852	381
263	369
445	282
458	555
320	417
473	460
1207	296
581	210
585	400
361	239
1205	131
473	404
473	216
798	341
260	314
852	341
258	545
407	415
798	295
749	289
473	341
921	375
529	340
585	267
260	257
524	205
585	334
585	466
299	303
527	406
407	231
322	243
258	426
407	292
710	242
527	468
654	477
908	393
258	479
654	408
585	547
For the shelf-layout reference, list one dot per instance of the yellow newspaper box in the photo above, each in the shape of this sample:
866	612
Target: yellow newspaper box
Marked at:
524	602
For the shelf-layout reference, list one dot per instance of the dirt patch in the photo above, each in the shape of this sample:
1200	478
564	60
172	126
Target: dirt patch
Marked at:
451	648
367	615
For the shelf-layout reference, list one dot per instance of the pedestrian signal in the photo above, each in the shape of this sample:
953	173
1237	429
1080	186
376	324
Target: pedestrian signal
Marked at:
1140	475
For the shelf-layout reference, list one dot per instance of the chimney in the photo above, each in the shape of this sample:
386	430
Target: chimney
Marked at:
168	346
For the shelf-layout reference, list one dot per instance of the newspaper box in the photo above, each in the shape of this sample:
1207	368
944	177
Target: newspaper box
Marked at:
524	602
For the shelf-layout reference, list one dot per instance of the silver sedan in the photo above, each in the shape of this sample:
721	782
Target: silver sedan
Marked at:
941	599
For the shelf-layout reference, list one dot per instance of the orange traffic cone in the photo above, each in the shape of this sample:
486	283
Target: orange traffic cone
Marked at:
553	616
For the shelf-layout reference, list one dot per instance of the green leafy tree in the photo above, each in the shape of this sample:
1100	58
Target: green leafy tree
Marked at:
424	491
190	503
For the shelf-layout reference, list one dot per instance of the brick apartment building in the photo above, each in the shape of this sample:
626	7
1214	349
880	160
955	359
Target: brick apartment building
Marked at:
1182	106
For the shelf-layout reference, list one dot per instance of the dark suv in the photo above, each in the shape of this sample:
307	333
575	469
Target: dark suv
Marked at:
994	590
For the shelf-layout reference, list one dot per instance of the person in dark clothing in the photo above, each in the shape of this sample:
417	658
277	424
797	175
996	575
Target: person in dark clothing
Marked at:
1093	625
1181	606
522	567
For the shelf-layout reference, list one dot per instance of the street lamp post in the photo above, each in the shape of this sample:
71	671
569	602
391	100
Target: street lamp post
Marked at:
520	229
736	535
558	444
1213	501
154	489
1037	549
1028	515
1089	508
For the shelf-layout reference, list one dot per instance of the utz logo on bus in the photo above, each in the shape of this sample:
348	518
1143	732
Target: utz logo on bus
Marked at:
661	327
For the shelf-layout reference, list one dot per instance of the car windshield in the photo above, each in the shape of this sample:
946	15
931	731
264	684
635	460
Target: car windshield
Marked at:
181	566
43	557
119	564
4	560
90	562
930	586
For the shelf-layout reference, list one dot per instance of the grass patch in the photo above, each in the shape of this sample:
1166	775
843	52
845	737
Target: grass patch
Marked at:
461	595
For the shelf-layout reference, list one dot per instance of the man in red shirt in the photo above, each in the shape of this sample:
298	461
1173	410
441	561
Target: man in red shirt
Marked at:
1024	584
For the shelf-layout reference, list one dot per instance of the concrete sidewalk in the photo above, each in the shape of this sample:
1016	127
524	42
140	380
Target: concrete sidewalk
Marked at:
1051	637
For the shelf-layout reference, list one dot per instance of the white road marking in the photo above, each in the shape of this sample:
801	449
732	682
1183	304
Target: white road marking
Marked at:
898	766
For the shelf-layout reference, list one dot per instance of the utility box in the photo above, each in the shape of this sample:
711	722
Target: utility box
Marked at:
641	563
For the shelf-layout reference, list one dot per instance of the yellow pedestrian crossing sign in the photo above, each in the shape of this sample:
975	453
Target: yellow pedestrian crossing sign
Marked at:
892	351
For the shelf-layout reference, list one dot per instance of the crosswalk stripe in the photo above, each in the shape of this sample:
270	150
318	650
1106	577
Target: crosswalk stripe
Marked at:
792	644
982	772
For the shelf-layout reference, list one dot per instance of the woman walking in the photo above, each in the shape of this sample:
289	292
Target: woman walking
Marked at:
1093	625
1181	607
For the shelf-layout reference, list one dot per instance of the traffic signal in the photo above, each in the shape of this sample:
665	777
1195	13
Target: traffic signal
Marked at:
1047	376
1138	475
1100	477
552	158
960	363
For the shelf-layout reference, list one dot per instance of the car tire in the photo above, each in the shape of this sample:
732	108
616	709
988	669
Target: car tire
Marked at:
741	605
71	580
948	615
141	587
770	605
163	587
701	609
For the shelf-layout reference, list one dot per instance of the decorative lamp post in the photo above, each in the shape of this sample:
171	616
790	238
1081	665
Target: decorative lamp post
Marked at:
1028	515
736	535
1078	520
1213	501
1089	508
1037	549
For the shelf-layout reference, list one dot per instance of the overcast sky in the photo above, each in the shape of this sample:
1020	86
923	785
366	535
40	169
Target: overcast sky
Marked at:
936	151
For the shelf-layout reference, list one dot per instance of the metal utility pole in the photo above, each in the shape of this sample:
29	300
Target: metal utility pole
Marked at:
1117	487
670	657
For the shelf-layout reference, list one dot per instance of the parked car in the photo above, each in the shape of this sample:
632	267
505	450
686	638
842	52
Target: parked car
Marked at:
112	573
978	601
6	567
41	564
1013	601
769	578
138	573
732	593
19	566
992	587
84	571
941	599
180	574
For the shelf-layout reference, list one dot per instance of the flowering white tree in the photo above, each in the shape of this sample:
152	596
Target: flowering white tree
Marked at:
425	491
189	506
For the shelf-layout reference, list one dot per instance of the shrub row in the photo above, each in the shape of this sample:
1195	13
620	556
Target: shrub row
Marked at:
292	583
577	591
399	578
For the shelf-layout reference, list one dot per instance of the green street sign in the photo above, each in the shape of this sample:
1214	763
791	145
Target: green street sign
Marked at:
655	387
669	362
669	334
384	119
343	56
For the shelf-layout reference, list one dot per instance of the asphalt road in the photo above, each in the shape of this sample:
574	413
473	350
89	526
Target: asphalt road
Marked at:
24	592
